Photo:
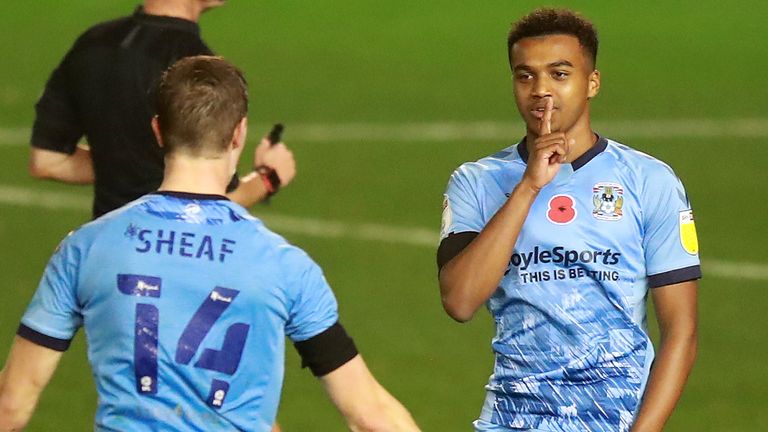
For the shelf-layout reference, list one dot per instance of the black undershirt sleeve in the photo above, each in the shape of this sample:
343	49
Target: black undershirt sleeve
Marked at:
42	339
452	246
327	351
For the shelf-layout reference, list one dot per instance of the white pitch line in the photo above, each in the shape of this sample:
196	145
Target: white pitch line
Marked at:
736	270
364	231
14	136
490	130
422	237
25	197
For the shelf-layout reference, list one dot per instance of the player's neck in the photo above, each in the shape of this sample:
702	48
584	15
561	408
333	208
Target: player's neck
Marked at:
196	175
585	138
183	9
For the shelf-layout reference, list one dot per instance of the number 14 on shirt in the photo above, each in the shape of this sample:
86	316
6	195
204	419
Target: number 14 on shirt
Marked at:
224	360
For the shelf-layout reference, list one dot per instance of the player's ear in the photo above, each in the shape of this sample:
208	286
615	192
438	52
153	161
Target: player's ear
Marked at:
241	130
594	84
156	131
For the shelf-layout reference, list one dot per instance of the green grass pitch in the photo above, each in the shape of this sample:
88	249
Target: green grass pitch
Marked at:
400	62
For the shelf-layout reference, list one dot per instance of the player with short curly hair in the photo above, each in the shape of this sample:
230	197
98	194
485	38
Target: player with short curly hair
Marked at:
563	236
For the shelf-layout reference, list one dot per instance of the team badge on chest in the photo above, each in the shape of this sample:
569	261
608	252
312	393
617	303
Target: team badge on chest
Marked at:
608	199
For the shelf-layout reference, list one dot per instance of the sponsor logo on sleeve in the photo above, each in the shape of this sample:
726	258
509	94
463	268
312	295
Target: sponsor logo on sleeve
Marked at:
608	199
688	232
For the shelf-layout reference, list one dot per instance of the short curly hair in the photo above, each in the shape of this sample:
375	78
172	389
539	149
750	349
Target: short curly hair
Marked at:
549	21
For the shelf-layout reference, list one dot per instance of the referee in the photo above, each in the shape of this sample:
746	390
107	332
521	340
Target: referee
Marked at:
101	91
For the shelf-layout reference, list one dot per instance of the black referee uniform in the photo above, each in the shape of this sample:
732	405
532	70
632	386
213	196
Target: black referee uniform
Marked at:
102	90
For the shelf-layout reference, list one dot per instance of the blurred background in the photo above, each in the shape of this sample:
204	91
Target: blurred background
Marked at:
381	102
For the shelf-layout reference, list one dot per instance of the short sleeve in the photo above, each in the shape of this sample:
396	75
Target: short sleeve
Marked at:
57	126
312	305
54	310
669	243
461	212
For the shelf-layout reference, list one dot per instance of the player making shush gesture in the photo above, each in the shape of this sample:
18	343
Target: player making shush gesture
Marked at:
562	236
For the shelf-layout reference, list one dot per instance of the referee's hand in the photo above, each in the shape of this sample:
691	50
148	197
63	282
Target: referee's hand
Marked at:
278	157
548	151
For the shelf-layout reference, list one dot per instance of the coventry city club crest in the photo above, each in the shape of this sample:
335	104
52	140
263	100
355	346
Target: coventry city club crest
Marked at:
608	199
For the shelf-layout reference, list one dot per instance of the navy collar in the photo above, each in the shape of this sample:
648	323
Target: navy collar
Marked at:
582	160
191	196
165	21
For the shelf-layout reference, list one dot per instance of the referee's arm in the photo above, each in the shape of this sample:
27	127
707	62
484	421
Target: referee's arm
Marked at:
55	153
75	168
279	169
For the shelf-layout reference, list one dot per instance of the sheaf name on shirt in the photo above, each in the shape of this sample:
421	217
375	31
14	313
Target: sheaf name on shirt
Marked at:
184	244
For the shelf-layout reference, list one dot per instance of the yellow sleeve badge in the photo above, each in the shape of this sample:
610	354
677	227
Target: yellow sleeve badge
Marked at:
688	232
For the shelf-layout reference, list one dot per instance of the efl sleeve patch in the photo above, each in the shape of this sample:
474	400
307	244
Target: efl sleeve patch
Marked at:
447	220
688	232
461	206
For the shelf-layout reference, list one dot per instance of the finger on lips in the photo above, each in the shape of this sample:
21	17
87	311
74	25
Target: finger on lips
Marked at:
546	119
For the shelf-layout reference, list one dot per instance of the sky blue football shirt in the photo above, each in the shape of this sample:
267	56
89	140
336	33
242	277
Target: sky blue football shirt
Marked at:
186	301
572	348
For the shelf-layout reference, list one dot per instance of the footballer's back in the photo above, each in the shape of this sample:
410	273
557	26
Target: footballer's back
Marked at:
186	301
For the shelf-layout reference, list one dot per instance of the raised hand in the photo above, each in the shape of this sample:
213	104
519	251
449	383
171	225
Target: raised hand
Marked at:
278	157
547	152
